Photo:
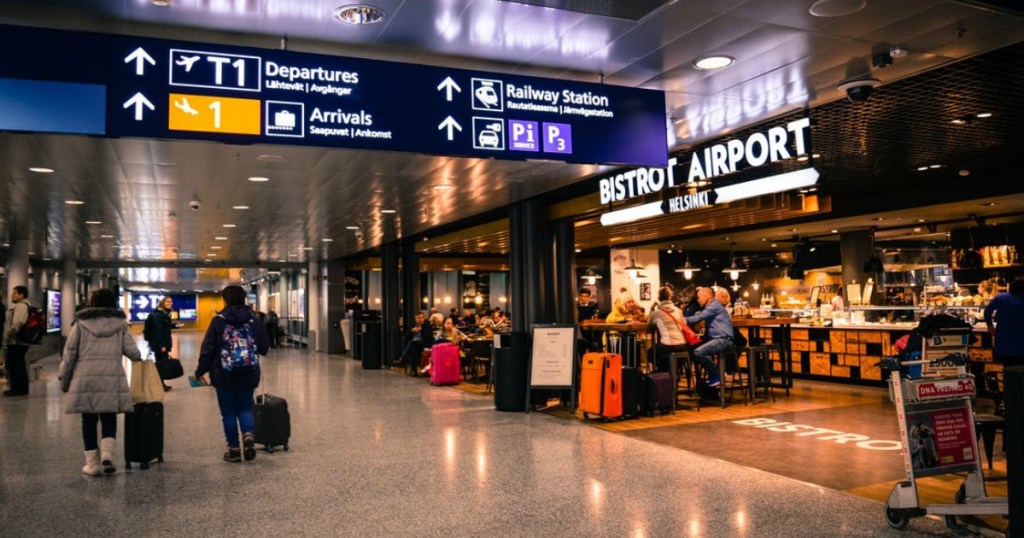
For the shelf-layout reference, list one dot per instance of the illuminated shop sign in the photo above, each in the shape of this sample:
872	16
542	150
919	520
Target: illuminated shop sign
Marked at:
123	86
760	148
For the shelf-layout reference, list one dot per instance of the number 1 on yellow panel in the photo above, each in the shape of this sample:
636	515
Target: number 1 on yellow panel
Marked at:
210	114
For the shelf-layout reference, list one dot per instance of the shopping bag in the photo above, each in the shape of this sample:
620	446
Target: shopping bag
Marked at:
146	385
170	369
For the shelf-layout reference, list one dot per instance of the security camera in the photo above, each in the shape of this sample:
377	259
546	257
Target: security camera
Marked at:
359	235
194	204
859	90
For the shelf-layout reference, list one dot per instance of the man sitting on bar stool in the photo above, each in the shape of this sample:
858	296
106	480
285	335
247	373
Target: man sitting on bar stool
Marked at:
719	332
670	335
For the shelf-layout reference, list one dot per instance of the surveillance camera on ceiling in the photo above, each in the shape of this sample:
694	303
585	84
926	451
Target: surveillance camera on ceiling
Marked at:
859	90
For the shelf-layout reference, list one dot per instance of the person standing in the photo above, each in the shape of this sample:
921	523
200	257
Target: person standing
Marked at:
14	364
93	378
230	352
157	332
272	328
1008	310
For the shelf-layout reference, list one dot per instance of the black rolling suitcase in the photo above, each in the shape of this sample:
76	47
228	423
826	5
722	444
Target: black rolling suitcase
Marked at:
659	393
144	435
273	423
632	392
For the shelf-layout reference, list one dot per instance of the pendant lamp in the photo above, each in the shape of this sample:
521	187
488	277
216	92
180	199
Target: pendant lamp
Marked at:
688	270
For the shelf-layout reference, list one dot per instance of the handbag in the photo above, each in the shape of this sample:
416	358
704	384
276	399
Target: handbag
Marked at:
170	369
691	337
145	384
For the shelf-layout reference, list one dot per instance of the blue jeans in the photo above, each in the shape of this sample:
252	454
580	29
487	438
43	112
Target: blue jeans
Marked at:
712	347
235	410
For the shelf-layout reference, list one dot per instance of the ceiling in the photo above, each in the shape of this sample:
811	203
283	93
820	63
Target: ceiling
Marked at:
787	59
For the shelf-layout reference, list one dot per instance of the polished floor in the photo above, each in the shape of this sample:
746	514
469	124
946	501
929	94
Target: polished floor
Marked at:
374	453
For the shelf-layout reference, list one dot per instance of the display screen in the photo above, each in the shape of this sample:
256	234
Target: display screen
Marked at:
52	311
185	307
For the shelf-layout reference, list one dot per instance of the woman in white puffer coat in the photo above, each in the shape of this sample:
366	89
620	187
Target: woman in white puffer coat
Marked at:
92	376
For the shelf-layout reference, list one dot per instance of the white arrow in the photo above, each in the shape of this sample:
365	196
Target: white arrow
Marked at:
138	101
450	124
448	85
142	302
140	57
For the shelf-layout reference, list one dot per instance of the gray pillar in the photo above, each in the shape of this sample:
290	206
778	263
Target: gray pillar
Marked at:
854	249
336	343
17	266
565	272
411	297
68	283
313	299
390	305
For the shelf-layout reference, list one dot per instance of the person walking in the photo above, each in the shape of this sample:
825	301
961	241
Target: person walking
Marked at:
14	363
272	329
93	378
157	332
230	352
1007	311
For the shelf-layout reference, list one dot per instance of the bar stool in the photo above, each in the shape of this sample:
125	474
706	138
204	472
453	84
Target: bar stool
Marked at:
759	367
675	359
737	378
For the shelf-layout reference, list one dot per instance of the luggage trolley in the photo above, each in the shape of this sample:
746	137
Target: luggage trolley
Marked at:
937	430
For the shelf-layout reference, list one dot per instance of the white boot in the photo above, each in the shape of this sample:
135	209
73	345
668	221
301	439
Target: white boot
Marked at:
92	463
107	454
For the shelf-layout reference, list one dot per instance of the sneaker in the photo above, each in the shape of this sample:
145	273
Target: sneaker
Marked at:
233	455
249	444
713	381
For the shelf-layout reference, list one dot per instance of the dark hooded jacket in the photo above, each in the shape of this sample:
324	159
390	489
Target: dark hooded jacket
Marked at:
209	352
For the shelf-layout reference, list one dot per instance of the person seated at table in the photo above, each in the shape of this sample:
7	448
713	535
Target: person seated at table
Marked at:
486	323
738	339
501	321
719	332
450	333
468	319
667	319
626	310
725	298
419	337
586	308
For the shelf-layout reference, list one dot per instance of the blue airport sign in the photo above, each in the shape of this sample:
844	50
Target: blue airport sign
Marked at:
155	88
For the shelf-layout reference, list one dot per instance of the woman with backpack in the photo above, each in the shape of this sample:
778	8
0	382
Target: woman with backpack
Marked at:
230	353
93	377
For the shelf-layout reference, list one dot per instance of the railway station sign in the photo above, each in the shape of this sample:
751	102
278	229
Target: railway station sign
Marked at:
123	86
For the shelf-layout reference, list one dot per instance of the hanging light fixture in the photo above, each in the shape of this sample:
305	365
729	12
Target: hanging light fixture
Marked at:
688	270
756	285
735	286
591	278
734	270
632	270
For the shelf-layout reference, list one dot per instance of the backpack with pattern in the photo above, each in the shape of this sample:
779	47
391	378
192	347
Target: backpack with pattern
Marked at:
238	348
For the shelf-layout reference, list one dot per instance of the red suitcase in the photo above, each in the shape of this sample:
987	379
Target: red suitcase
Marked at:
601	385
445	368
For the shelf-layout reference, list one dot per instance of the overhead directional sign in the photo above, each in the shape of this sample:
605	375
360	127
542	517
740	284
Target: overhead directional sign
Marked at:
167	89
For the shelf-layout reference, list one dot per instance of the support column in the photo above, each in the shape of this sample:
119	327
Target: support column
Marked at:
313	300
17	266
390	304
68	283
1013	442
336	343
411	298
565	272
525	253
854	249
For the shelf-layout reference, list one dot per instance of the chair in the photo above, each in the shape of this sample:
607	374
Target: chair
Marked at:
481	354
987	425
759	368
681	360
736	382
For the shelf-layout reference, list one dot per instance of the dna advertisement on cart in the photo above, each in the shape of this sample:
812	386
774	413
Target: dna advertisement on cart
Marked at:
940	438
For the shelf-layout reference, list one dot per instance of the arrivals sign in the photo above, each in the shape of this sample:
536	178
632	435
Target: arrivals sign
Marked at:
62	81
694	174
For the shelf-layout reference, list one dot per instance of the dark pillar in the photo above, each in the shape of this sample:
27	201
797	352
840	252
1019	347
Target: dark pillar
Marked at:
336	343
854	249
411	299
1013	386
390	302
565	272
525	251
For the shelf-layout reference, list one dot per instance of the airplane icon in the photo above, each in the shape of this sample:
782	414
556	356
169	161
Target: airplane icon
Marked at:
185	107
187	62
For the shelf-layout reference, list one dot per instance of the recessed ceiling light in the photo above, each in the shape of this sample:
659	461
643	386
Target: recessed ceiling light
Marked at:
774	245
816	155
990	204
271	158
834	231
964	172
46	259
307	248
160	3
359	14
764	239
259	179
709	63
106	236
73	202
792	229
239	207
985	115
934	166
922	220
41	170
351	227
93	222
958	121
282	261
221	238
229	225
922	168
387	211
211	254
802	158
878	219
836	8
327	240
580	250
216	247
917	229
443	187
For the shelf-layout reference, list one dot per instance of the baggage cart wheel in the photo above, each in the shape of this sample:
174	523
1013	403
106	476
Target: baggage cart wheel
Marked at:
961	495
895	519
144	466
286	448
270	449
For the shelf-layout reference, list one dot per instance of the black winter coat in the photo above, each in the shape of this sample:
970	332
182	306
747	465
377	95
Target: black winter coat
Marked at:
157	330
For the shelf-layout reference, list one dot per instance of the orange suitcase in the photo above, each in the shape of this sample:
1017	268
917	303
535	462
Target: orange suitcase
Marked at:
601	385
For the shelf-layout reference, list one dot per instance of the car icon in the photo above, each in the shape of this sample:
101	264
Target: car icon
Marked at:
487	96
488	139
